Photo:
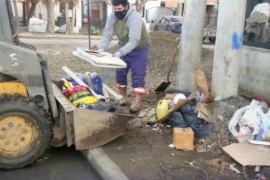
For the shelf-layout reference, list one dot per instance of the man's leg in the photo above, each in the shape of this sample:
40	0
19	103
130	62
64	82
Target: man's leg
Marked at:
121	80
138	64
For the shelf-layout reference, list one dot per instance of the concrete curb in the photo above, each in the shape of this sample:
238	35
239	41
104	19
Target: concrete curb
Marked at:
103	164
57	36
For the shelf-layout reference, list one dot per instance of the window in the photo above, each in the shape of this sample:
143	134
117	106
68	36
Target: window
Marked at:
257	33
62	6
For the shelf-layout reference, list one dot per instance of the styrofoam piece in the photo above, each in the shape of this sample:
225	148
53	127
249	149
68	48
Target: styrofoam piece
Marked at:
80	82
106	61
117	96
106	95
259	142
179	96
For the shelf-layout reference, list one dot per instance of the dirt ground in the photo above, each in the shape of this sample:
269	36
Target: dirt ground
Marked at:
144	153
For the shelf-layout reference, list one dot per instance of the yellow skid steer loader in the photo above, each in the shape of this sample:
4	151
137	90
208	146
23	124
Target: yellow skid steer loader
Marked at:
34	114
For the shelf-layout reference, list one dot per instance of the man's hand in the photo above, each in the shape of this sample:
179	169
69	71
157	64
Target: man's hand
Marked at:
117	54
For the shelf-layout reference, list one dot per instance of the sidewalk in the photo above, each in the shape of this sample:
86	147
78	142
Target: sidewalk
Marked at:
56	35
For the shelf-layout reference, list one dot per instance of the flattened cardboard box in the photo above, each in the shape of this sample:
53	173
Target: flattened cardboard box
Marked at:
249	154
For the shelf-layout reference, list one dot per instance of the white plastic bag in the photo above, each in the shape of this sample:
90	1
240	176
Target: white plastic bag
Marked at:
37	25
260	13
265	121
236	117
252	118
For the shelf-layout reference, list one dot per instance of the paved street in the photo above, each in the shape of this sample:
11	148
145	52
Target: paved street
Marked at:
57	164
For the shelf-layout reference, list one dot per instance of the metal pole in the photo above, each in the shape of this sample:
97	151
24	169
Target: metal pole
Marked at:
89	24
24	14
226	69
191	44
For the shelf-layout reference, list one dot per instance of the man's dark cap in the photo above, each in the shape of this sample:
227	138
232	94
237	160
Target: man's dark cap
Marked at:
119	2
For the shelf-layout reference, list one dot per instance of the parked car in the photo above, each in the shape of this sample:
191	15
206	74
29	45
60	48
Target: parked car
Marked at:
169	23
210	34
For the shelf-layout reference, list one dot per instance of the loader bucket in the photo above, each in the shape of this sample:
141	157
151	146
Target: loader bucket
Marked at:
88	128
95	128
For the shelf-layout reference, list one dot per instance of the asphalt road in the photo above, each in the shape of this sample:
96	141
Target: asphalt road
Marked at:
57	164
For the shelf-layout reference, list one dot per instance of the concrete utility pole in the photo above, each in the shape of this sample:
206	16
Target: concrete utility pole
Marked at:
230	28
191	44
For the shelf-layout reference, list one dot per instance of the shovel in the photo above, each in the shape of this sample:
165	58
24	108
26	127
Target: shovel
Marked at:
163	86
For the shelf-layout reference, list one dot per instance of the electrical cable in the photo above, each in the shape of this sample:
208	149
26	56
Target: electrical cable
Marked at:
205	177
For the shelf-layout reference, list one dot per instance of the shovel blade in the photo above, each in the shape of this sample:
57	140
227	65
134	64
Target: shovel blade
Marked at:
95	128
163	86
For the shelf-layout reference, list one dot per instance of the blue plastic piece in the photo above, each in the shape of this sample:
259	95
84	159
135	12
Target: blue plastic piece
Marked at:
97	82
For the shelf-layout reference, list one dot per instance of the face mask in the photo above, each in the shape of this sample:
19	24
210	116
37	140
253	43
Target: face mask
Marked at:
120	14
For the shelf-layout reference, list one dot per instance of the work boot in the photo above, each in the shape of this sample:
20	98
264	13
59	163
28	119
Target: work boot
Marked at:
136	104
123	92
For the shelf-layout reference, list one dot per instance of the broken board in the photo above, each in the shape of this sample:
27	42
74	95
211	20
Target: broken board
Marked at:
104	60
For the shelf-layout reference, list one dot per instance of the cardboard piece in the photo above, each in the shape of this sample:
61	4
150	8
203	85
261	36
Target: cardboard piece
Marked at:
249	154
183	138
169	96
203	112
202	86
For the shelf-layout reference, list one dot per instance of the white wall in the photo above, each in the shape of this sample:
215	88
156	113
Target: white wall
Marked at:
150	4
255	70
19	8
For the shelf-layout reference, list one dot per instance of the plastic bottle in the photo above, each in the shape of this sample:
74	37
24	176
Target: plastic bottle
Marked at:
97	83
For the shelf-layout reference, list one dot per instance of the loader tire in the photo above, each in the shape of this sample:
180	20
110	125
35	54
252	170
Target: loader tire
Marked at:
24	131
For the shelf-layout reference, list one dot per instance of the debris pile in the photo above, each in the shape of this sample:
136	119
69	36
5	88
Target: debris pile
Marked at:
201	115
87	91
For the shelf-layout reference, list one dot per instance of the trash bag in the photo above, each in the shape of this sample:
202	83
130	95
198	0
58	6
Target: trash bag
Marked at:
177	120
100	106
187	117
202	129
188	112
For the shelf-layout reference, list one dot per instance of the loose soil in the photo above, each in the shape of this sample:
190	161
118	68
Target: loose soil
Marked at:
144	153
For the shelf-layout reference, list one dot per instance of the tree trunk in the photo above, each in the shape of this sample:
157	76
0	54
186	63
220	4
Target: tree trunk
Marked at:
50	14
68	26
73	18
32	9
137	5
